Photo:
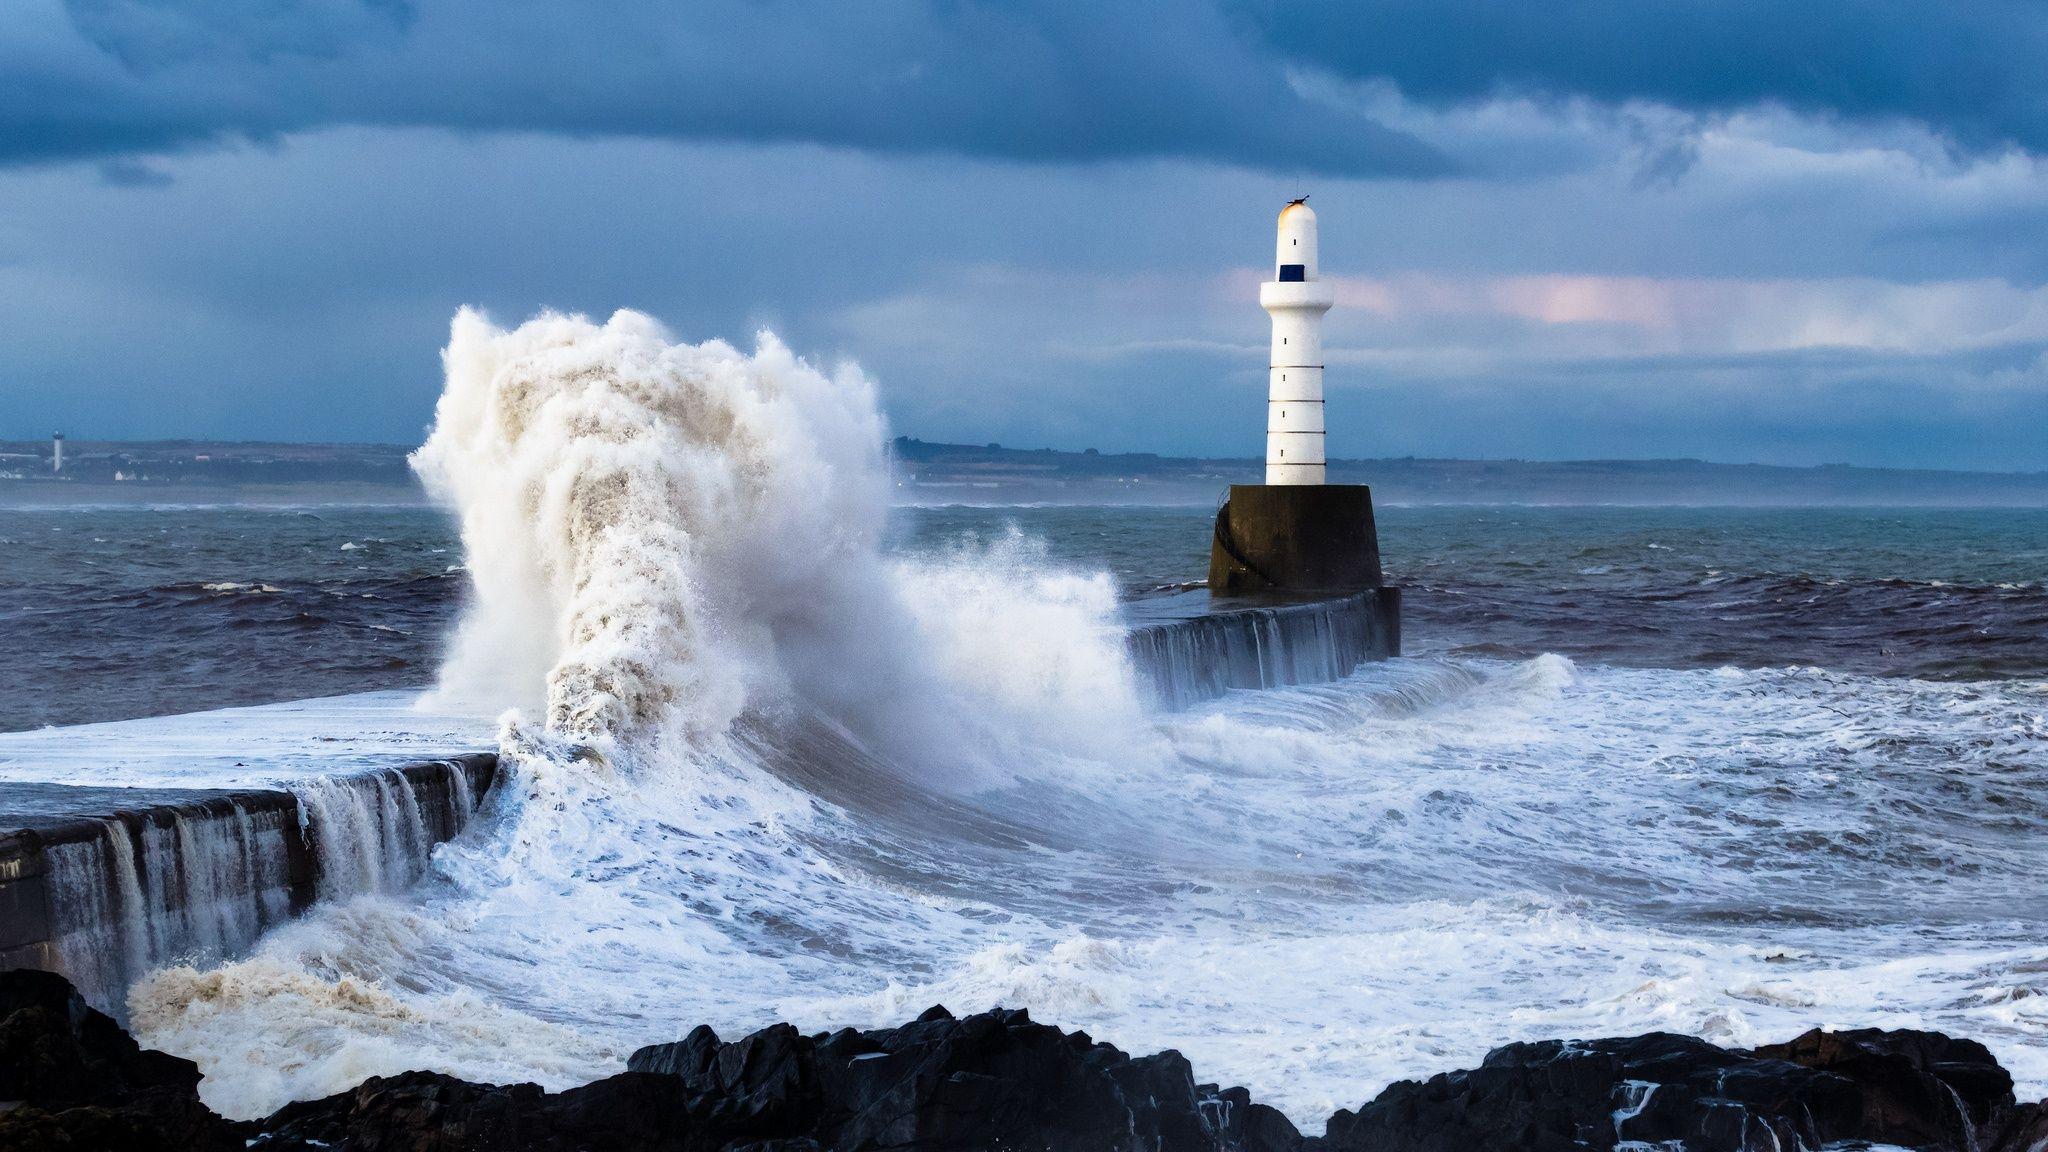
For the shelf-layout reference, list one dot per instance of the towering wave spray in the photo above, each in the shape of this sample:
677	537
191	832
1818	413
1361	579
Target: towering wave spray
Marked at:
663	535
759	726
638	513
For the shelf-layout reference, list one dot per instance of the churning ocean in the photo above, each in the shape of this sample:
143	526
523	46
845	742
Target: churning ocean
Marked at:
112	612
1730	772
781	752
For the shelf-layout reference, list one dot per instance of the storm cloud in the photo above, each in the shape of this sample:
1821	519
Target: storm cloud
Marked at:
1968	69
1034	81
1037	80
1796	233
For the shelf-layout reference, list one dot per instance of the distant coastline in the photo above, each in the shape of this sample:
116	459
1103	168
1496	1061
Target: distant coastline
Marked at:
205	472
929	473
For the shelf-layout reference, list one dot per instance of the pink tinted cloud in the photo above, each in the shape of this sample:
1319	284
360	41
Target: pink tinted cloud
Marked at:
1708	315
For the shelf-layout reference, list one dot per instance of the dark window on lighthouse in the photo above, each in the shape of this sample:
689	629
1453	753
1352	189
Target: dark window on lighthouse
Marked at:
1293	272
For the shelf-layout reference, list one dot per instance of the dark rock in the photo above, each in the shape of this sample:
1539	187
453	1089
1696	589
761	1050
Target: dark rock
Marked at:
71	1078
1912	1088
1916	1089
2024	1129
1246	1125
995	1080
56	1049
430	1112
72	1081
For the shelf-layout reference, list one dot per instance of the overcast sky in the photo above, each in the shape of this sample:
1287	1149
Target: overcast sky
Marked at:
1744	231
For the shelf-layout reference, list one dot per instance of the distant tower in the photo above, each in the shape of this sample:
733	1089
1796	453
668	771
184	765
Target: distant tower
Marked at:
1296	298
56	452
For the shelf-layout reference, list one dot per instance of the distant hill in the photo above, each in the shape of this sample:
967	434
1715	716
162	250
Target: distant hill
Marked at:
932	473
142	464
959	473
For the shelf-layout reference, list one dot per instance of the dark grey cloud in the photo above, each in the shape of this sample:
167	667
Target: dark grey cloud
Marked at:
122	173
1024	81
149	36
1031	80
304	293
1969	69
850	177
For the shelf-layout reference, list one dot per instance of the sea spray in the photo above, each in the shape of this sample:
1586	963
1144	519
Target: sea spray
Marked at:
642	517
732	719
663	536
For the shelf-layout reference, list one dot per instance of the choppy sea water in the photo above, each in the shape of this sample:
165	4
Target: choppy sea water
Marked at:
1734	773
108	613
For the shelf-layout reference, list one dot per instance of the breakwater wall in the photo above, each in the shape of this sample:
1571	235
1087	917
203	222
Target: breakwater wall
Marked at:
104	884
1190	651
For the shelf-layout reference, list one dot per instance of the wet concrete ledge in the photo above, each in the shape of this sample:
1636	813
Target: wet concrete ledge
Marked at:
100	883
1191	645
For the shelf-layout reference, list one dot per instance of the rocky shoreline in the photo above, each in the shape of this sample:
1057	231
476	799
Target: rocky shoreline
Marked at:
72	1079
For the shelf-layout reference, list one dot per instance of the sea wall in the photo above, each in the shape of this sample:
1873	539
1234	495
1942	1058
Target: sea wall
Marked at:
1189	654
103	884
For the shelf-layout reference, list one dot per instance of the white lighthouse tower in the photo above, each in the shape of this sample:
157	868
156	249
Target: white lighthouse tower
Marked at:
1296	299
1296	534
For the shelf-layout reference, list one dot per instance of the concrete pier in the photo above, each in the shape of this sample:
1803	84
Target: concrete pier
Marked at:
1193	646
104	884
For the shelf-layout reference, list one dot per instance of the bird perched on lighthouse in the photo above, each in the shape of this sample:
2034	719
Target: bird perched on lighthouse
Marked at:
1296	299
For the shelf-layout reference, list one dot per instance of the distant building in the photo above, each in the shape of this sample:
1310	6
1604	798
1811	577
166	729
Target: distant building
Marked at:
56	452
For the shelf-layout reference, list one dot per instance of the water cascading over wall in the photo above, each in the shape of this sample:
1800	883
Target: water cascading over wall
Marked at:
152	877
162	877
1201	655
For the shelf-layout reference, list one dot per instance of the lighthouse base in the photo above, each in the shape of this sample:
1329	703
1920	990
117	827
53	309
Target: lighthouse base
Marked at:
1295	538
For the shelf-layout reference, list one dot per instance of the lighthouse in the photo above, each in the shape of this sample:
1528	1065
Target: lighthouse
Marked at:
1296	299
1296	534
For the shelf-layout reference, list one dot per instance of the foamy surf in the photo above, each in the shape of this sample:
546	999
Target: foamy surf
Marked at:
1392	893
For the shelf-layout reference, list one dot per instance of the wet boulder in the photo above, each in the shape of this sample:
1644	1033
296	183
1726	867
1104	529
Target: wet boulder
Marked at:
56	1049
936	1084
996	1079
72	1078
1245	1124
430	1112
1913	1089
72	1081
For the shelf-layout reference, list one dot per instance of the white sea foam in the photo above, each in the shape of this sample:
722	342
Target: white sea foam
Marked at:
662	536
781	775
1313	892
255	747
